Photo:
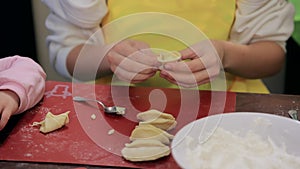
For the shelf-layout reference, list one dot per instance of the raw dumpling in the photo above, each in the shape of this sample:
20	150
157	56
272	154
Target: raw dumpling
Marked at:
145	150
143	143
52	122
150	132
171	56
150	140
158	119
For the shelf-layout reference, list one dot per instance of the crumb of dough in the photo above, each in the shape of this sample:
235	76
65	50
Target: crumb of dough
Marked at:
121	110
110	132
93	116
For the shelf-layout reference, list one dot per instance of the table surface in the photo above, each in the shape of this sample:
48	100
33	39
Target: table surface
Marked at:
245	102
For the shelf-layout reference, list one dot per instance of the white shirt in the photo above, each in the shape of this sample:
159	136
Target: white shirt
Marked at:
73	22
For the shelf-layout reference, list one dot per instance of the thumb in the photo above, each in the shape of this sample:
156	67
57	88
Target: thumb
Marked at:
188	53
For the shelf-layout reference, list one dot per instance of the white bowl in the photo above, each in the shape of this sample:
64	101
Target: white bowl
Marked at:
281	130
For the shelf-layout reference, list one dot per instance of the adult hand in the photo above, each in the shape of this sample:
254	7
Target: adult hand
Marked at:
201	63
9	103
132	61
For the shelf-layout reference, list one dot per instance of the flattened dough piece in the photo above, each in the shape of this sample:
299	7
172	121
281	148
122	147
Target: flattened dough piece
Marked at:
158	119
145	150
150	132
144	143
164	124
153	114
52	122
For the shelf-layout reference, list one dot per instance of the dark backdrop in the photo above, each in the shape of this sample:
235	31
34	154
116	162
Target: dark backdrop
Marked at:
17	29
292	78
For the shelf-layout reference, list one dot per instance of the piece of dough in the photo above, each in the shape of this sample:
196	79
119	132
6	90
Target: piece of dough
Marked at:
158	119
144	143
52	122
163	124
150	140
150	132
145	150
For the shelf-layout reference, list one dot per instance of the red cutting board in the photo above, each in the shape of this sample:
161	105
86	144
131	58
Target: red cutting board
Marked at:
86	141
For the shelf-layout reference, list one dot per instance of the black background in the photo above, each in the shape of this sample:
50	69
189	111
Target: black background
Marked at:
17	29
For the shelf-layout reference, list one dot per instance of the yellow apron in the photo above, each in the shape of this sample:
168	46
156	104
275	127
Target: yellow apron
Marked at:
188	23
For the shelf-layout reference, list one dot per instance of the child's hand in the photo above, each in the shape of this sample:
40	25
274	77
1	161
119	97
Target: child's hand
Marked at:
9	103
202	63
132	62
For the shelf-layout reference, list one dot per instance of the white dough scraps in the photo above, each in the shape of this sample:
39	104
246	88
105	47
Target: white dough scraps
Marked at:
111	131
93	116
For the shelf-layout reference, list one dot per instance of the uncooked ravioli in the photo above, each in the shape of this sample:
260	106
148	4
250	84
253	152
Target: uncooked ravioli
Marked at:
149	139
52	122
150	132
145	150
158	119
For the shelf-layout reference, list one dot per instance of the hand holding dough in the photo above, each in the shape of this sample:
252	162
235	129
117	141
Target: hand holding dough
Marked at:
158	119
52	122
170	56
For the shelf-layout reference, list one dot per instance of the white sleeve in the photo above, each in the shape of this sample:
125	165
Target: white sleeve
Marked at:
259	20
70	23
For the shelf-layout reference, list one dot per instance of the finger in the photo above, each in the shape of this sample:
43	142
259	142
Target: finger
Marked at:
194	65
185	67
139	45
144	48
128	65
4	118
132	77
188	53
138	52
190	79
186	85
145	57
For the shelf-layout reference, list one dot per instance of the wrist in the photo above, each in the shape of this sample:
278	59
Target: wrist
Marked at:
220	47
12	98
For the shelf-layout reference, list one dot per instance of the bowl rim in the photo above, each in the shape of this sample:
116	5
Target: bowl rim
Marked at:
177	156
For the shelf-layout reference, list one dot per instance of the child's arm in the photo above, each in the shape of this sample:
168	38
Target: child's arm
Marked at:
25	78
9	103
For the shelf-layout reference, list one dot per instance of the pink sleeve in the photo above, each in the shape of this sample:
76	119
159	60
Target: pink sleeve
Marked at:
25	77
